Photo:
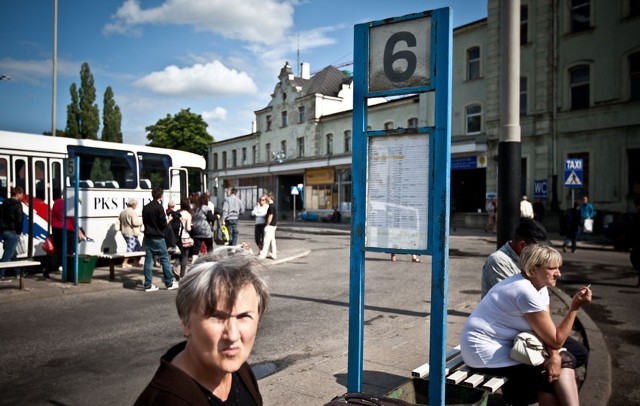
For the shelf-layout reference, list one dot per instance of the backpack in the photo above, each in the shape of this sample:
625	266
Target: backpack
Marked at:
220	237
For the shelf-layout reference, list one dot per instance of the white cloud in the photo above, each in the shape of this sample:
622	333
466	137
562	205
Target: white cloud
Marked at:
35	71
261	21
211	79
217	114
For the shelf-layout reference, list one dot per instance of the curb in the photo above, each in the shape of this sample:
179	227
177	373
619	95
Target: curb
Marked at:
596	388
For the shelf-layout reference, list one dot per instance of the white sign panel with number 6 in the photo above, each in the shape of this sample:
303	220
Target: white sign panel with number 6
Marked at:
399	55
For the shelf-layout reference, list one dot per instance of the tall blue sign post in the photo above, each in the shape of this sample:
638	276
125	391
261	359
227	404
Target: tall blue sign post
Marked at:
401	176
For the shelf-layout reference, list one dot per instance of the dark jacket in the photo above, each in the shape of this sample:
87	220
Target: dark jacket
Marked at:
11	215
154	220
172	386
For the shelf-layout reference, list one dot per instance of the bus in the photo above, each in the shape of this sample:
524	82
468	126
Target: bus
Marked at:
109	175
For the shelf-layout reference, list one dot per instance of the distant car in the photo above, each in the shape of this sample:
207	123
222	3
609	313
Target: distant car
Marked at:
619	231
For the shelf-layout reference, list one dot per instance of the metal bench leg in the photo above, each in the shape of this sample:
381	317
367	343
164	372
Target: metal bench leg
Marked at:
21	281
112	271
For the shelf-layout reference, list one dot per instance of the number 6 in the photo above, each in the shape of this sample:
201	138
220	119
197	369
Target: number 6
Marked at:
390	57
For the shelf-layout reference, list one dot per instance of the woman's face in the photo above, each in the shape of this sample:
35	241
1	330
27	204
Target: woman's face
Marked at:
222	343
546	275
263	201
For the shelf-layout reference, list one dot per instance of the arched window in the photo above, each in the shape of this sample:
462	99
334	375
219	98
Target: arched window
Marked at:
579	86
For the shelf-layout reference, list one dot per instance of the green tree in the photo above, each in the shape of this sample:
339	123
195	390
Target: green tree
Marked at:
73	114
89	114
111	118
185	131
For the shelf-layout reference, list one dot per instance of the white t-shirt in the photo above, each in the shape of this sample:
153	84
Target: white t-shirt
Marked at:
487	335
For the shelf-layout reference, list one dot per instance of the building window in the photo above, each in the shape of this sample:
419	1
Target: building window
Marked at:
301	116
329	140
267	151
579	82
473	63
523	96
300	142
633	158
388	125
412	122
254	154
224	159
234	158
580	15
215	161
634	76
474	119
269	123
285	119
347	141
283	147
244	155
634	8
524	25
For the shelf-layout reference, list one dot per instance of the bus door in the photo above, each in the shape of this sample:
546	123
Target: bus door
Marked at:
4	177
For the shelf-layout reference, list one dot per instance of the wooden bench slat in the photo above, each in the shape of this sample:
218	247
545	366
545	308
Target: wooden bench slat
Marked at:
458	376
423	370
494	384
473	381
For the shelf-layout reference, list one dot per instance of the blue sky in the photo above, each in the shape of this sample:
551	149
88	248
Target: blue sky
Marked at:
220	58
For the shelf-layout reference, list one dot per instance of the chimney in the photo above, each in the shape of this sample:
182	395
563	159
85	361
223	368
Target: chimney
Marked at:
305	70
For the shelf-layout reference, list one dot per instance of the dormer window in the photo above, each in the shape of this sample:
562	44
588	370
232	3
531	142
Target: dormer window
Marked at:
284	96
269	123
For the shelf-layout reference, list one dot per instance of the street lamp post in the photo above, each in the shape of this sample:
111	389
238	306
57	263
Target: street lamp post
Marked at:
55	63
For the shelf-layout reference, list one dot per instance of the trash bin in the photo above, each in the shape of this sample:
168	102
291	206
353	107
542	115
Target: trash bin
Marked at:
416	392
86	265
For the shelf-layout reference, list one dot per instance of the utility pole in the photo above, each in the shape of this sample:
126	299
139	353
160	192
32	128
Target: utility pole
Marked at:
509	147
55	68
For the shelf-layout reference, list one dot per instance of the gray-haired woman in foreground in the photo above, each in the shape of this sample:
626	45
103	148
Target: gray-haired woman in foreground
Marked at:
220	302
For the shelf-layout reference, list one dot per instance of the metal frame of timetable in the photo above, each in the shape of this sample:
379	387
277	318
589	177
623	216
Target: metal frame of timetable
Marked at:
419	73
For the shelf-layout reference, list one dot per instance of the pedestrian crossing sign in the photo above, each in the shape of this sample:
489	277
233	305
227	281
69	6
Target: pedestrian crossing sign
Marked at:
573	173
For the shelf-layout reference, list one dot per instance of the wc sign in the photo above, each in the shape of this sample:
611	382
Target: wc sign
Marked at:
540	189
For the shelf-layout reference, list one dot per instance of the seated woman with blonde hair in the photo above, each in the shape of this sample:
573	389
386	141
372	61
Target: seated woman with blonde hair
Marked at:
517	304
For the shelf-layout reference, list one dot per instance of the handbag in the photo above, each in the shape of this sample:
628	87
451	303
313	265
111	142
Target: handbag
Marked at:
48	247
185	239
21	247
220	237
588	225
528	349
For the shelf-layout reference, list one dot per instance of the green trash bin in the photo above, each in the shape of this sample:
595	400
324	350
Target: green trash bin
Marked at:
416	392
86	265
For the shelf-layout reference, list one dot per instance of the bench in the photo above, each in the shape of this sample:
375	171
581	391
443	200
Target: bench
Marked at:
23	263
113	257
458	373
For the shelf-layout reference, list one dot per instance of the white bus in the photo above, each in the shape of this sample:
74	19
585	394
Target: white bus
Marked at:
109	175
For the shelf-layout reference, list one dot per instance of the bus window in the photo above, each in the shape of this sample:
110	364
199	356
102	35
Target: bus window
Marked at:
4	177
20	174
56	180
105	169
40	180
154	170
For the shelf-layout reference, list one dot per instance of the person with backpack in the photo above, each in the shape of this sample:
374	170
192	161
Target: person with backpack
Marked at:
11	226
570	225
183	238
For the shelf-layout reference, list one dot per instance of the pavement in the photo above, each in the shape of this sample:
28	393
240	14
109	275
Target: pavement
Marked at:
595	389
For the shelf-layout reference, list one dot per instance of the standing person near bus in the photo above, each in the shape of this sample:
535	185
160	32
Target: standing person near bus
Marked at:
57	226
11	226
185	231
232	208
200	227
155	223
260	213
269	248
130	224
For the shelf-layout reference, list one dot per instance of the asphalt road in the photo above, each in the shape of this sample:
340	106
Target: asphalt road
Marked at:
101	346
